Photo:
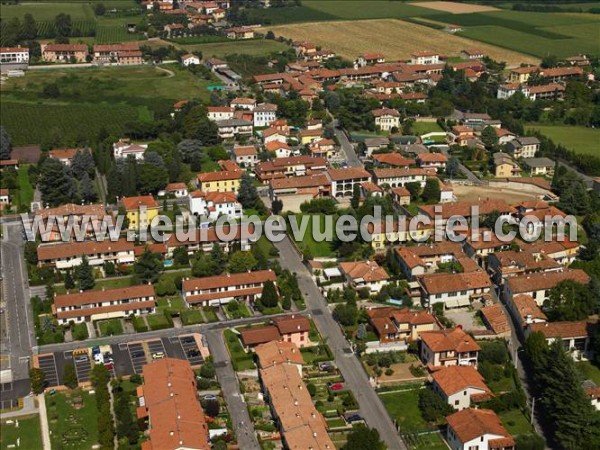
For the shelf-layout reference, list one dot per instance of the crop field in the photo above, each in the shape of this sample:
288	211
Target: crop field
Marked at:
111	34
48	11
578	139
253	47
455	8
396	39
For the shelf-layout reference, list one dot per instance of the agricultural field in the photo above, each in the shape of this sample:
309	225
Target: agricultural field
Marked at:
455	8
250	47
48	11
101	97
578	139
396	39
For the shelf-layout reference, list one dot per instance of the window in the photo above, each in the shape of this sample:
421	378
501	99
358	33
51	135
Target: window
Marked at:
456	402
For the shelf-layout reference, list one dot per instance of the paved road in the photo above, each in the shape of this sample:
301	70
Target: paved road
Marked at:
347	148
243	426
587	180
464	170
371	407
16	295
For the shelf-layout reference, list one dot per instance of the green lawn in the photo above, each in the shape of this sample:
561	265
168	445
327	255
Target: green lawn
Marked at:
432	441
266	246
158	321
210	314
253	47
192	317
404	407
589	371
308	241
25	188
426	127
100	284
240	312
515	422
578	139
110	327
72	428
239	359
28	433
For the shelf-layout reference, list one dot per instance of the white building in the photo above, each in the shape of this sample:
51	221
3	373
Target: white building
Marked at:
245	155
460	385
234	127
343	180
189	59
243	103
396	177
479	429
523	147
386	118
264	114
124	148
425	58
214	204
219	113
15	55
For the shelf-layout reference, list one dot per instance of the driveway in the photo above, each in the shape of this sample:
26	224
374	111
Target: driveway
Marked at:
346	146
371	407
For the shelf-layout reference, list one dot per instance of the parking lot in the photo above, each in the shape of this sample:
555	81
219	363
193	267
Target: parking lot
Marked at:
47	364
191	350
83	365
137	355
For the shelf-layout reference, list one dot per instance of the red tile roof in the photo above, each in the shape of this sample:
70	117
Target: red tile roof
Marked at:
545	280
228	280
134	203
449	340
259	335
453	379
470	424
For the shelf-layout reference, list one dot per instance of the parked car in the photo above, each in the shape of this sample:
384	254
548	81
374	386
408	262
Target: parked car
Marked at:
336	386
81	358
209	397
158	355
326	367
137	354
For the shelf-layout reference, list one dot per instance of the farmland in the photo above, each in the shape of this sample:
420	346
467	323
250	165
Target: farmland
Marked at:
455	8
394	38
47	11
578	139
107	97
252	47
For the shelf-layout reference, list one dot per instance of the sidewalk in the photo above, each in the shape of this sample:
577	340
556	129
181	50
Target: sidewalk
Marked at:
44	422
27	409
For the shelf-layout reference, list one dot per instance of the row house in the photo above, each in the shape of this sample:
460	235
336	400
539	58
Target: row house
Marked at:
364	274
460	386
539	284
293	191
68	255
448	347
105	304
479	429
294	166
400	177
574	335
64	53
400	325
230	128
433	161
454	289
227	237
213	205
221	289
397	232
70	212
468	210
552	91
510	263
564	252
344	180
484	243
220	181
286	332
556	74
127	53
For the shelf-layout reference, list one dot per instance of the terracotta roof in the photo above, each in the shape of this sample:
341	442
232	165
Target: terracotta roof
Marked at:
432	157
259	335
453	379
278	352
221	197
48	252
424	53
348	173
219	109
229	280
562	71
385	112
243	101
495	317
464	208
276	145
409	258
439	283
400	191
84	298
369	271
134	203
317	180
449	340
392	159
563	330
293	323
172	187
369	56
72	209
246	150
400	172
220	175
370	186
412	317
65	48
545	280
171	400
525	70
64	153
470	424
527	307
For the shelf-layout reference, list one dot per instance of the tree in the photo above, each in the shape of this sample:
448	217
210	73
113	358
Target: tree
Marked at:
188	148
152	178
180	256
70	376
355	200
211	407
241	262
204	266
5	143
29	29
37	379
69	283
432	191
364	438
432	406
574	199
148	267
63	25
218	257
207	370
30	252
570	300
87	193
85	275
269	296
489	137
414	188
549	61
99	9
55	183
276	206
247	194
82	164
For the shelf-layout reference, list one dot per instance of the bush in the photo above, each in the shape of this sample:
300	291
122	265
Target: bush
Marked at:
417	371
312	389
389	372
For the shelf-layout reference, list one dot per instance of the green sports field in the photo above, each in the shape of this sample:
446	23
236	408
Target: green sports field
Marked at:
578	139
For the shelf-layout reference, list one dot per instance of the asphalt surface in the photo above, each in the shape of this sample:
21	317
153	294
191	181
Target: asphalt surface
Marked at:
19	316
347	148
371	407
243	426
464	170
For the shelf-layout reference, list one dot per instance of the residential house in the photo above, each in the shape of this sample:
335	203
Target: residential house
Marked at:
214	204
189	59
279	149
364	274
504	135
374	144
64	53
433	161
216	113
422	259
575	336
400	196
124	148
507	90
370	189
274	135
227	237
369	59
240	33
420	58
504	264
479	429
264	114
174	29
522	74
460	386
127	53
309	136
386	119
495	319
472	54
178	190
453	289
243	103
448	347
294	329
523	147
525	309
593	393
397	232
246	156
539	284
254	336
505	166
70	212
220	289
552	91
295	190
64	155
462	135
220	181
289	166
539	166
140	211
324	148
14	55
468	209
401	176
215	64
68	255
391	160
87	306
344	180
170	407
558	74
393	324
230	128
4	198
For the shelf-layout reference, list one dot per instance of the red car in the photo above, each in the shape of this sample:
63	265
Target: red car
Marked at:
336	386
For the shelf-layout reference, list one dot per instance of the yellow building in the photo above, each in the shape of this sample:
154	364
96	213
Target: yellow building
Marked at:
398	232
222	181
505	166
140	210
